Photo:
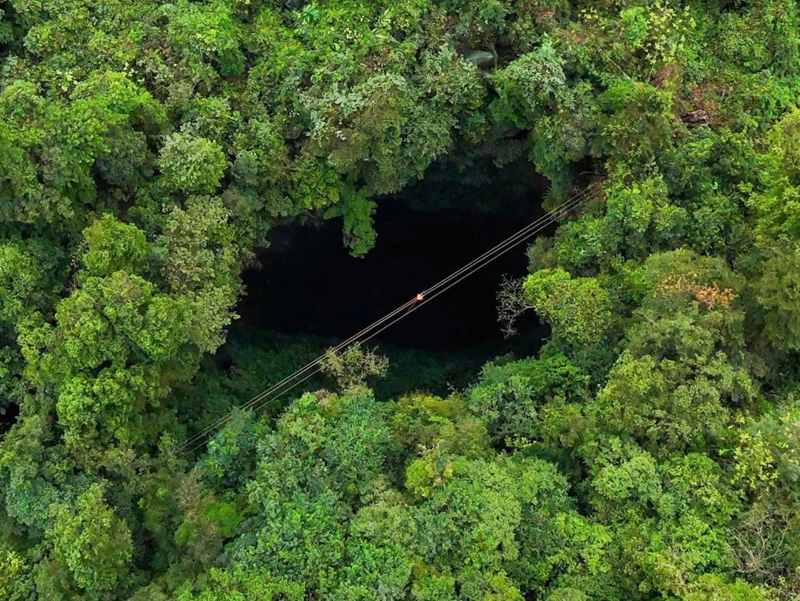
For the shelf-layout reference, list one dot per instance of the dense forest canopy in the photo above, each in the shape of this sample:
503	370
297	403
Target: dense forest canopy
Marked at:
649	451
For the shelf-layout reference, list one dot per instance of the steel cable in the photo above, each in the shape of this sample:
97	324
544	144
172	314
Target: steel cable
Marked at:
196	441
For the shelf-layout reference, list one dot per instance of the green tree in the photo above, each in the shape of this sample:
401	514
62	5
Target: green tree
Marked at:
578	308
90	541
191	164
776	295
115	246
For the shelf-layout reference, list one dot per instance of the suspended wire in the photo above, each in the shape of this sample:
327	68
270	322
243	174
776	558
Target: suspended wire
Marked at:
197	441
411	305
406	306
290	377
524	232
429	298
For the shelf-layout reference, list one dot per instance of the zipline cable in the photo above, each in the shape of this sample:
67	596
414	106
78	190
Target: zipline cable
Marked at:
427	299
511	239
407	306
410	306
300	371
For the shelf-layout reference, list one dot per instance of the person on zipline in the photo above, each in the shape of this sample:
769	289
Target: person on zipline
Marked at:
417	300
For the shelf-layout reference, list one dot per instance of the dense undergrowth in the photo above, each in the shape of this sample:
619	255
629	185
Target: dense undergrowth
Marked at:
649	452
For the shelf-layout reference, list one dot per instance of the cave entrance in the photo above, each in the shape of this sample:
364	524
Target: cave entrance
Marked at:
306	282
8	417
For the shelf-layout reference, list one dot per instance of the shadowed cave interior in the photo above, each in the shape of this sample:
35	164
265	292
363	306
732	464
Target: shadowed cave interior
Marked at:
306	282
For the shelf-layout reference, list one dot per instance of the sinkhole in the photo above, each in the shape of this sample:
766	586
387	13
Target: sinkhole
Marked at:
307	283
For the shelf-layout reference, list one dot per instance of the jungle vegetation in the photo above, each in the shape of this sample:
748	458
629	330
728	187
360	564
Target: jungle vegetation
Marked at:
650	451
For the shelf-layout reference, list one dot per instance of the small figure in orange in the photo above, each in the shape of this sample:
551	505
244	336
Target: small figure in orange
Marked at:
417	300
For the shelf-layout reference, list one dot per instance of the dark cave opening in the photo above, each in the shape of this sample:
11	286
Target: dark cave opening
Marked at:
306	282
8	417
